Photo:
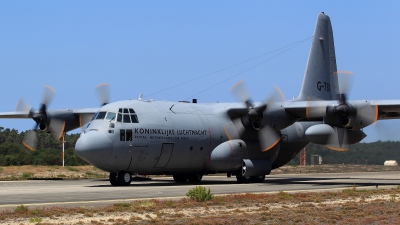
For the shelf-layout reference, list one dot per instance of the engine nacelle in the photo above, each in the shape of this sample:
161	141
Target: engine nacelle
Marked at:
320	134
256	167
227	156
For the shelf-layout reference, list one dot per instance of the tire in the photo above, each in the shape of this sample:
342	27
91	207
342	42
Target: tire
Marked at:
124	178
242	179
239	175
195	178
113	179
179	178
258	179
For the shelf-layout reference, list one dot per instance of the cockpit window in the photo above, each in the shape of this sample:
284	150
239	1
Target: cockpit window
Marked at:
126	118
126	115
111	116
101	115
134	119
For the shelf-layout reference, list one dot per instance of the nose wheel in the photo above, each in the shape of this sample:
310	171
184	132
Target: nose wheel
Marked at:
121	178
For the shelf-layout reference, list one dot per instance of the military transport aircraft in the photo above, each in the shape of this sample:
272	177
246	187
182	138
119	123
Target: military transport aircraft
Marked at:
189	139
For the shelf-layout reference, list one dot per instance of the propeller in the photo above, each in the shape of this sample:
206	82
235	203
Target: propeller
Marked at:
42	119
345	119
103	92
267	136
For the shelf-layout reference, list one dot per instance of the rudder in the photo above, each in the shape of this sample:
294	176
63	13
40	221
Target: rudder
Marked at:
319	82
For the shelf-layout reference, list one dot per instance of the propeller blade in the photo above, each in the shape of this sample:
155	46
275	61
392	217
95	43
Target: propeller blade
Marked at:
23	106
275	96
268	138
339	140
57	128
102	91
240	91
30	140
368	114
48	95
345	80
315	108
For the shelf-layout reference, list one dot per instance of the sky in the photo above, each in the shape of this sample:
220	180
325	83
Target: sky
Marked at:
179	50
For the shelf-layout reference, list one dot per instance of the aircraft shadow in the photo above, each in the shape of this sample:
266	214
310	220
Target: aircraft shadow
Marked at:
268	181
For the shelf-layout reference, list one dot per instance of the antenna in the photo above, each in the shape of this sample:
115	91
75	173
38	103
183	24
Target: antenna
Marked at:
140	97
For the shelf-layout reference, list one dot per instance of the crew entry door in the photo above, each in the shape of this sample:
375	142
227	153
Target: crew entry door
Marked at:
165	155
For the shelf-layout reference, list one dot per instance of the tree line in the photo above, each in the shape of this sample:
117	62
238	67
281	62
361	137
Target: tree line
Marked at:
49	151
374	153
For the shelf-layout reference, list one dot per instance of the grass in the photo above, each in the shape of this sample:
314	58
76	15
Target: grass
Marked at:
350	206
72	168
50	172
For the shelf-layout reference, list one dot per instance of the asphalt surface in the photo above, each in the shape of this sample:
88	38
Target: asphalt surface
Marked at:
70	193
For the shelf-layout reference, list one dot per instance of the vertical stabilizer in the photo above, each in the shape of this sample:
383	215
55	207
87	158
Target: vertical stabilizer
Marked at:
319	82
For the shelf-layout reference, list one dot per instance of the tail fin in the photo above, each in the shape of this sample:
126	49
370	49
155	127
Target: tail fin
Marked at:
319	82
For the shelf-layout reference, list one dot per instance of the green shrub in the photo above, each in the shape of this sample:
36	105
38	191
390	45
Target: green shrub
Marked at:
1	169
26	175
21	209
200	194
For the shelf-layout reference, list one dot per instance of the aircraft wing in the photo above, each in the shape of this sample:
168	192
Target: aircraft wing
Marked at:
85	115
387	109
15	115
73	118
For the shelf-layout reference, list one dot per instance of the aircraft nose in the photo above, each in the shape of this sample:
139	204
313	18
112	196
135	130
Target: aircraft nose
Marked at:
95	148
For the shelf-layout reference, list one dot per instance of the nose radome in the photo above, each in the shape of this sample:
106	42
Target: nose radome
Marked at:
95	148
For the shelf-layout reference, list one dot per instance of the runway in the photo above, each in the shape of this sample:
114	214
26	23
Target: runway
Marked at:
49	193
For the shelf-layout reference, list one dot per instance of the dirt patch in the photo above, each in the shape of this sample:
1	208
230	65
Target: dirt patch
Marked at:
350	206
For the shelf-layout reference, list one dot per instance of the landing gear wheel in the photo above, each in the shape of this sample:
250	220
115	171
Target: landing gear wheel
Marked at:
195	178
180	178
124	178
240	175
242	179
258	179
113	179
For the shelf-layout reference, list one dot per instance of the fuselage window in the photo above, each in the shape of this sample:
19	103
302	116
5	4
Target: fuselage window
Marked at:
111	116
122	135
126	111
101	115
131	111
126	118
119	117
134	119
120	110
128	135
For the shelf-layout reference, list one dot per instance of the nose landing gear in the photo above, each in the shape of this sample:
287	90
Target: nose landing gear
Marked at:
121	178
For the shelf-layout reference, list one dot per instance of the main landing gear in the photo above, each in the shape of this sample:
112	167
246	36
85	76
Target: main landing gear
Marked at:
248	179
121	178
182	178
